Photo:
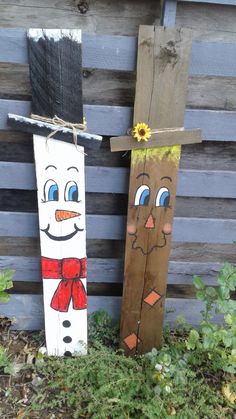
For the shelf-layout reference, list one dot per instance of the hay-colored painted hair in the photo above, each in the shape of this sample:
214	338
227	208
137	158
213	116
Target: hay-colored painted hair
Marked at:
171	154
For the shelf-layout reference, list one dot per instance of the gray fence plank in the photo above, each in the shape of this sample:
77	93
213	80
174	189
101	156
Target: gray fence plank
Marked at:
191	183
223	2
112	227
169	13
28	269
119	52
27	310
115	120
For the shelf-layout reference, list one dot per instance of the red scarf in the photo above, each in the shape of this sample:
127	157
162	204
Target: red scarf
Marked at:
69	270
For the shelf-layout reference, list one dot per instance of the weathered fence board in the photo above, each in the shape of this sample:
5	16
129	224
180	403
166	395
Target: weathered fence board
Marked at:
112	227
119	53
224	2
28	269
28	310
191	183
115	120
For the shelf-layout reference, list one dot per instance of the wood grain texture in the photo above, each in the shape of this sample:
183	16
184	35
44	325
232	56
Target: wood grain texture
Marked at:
116	204
119	53
17	147
106	87
28	310
28	269
55	59
44	129
158	139
162	74
209	22
224	2
115	120
185	252
191	183
112	227
101	16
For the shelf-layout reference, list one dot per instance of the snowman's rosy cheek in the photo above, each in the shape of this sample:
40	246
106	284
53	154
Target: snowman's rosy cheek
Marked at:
71	191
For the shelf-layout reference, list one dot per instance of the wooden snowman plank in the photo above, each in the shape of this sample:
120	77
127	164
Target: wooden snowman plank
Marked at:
162	74
55	70
61	204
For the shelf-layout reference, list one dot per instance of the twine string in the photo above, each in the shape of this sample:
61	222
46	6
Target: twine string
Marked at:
75	127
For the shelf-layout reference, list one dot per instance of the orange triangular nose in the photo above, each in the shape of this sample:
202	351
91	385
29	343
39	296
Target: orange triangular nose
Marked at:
61	215
150	222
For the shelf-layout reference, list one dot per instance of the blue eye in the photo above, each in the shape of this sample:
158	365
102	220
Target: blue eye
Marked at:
142	195
51	191
163	198
71	192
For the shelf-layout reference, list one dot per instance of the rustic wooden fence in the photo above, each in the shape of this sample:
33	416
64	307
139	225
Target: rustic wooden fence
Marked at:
205	222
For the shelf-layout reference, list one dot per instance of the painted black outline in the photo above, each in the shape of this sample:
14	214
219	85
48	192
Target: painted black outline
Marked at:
162	206
44	193
61	238
148	188
143	174
68	200
50	165
159	299
73	167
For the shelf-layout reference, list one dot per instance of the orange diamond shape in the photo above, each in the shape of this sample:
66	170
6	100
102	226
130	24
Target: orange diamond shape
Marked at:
152	298
131	341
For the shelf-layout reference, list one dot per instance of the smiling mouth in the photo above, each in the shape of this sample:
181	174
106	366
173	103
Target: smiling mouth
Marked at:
61	238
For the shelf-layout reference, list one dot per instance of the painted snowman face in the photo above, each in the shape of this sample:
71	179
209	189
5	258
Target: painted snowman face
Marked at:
61	198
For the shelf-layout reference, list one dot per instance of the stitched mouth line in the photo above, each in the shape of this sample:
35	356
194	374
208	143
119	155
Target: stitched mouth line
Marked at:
61	238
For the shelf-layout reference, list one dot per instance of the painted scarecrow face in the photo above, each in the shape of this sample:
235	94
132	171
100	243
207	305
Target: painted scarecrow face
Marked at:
152	199
60	176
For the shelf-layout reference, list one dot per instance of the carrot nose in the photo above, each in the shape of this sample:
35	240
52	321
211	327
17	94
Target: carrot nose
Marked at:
150	222
61	215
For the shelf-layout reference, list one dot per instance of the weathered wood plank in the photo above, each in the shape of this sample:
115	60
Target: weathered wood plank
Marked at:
28	310
21	123
28	269
209	22
119	53
115	120
17	147
224	2
169	13
191	183
112	227
182	252
159	138
97	16
106	87
116	204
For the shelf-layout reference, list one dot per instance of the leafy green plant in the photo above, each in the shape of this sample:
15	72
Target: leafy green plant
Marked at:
102	330
5	284
5	364
217	341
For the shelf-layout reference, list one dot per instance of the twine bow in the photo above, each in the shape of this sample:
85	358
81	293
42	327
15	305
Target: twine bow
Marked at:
75	127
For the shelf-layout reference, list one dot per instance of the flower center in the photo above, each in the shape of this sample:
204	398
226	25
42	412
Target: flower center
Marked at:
142	132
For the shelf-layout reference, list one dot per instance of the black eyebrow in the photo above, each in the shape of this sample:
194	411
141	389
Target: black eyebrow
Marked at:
73	167
143	174
167	177
50	165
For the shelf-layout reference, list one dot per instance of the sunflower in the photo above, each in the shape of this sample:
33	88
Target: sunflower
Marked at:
141	132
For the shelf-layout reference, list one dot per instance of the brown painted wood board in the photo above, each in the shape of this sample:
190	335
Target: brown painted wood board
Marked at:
158	139
162	74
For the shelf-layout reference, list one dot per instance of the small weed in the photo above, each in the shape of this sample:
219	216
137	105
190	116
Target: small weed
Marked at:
5	284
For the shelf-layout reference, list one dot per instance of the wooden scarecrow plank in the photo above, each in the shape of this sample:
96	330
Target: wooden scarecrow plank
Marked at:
55	70
162	73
